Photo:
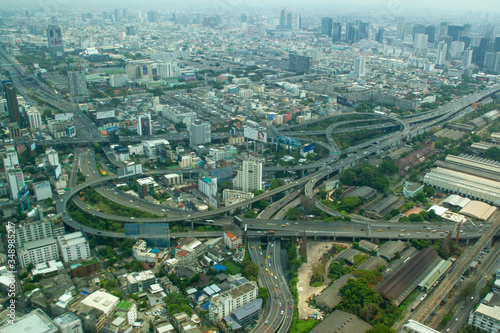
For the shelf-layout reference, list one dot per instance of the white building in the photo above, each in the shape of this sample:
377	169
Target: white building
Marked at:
69	323
101	300
34	322
34	118
74	247
144	126
208	186
249	177
227	194
200	133
173	179
141	252
52	156
231	240
139	282
486	318
39	251
185	161
441	53
150	146
359	67
222	305
118	80
413	326
43	190
32	231
420	42
155	294
15	179
10	159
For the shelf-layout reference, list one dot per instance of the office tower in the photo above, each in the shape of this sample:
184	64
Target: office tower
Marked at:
249	177
73	247
380	35
55	41
457	49
443	29
467	41
418	29
125	14
496	45
430	31
200	133
352	33
289	19
441	53
15	179
480	51
34	118
131	30
326	26
300	64
399	30
153	16
144	124
77	83
467	58
283	17
359	67
12	104
364	30
455	32
337	32
117	15
420	42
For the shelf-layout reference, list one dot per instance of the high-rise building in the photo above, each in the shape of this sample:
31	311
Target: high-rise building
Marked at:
144	124
34	118
283	17
10	159
33	231
73	247
480	51
12	104
225	303
430	31
364	30
37	252
457	50
249	177
326	26
467	58
153	16
300	64
52	156
200	133
455	32
380	35
131	31
55	41
337	32
352	33
418	29
207	186
441	53
15	179
420	42
77	83
359	67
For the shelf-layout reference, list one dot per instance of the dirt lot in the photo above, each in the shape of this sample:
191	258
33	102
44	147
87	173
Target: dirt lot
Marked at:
314	252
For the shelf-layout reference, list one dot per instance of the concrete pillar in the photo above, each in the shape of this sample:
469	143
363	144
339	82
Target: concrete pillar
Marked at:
192	224
436	309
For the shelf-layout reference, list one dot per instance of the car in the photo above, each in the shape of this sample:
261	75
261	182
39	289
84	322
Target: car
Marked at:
456	319
259	232
281	312
130	200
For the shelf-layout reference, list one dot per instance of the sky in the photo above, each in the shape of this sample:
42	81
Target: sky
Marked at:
403	6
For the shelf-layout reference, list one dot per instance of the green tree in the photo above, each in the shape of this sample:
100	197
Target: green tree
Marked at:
263	293
493	153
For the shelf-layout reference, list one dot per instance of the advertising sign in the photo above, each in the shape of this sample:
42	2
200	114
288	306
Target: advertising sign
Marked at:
345	101
71	131
254	134
23	192
130	170
105	114
58	171
212	201
331	184
289	141
33	146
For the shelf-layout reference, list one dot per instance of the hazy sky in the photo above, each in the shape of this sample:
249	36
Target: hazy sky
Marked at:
396	6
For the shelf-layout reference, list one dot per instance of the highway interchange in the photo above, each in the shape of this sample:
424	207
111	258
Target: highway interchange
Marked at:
279	313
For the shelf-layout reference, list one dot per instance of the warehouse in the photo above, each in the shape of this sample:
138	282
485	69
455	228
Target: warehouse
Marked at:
390	248
342	322
472	165
398	283
330	297
474	187
478	209
435	275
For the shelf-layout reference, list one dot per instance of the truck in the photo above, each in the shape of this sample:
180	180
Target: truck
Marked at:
271	232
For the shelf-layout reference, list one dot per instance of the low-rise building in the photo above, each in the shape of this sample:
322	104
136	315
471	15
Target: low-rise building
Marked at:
102	301
68	323
411	189
231	240
225	303
486	317
155	294
138	282
141	252
74	247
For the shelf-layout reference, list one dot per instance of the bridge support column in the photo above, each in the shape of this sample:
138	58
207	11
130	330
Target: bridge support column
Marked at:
192	224
436	309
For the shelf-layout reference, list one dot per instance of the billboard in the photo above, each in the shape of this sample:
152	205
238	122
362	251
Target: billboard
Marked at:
33	146
309	147
212	201
58	171
289	141
55	37
254	134
130	170
270	117
105	114
71	131
23	192
331	184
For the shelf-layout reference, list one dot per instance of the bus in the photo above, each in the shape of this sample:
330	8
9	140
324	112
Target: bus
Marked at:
210	221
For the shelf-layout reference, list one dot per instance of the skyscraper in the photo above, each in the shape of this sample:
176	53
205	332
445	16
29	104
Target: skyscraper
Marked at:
153	16
467	58
249	177
480	51
337	32
77	83
12	104
441	53
200	133
359	67
144	124
457	49
420	42
300	64
55	41
283	17
34	119
430	31
380	35
326	26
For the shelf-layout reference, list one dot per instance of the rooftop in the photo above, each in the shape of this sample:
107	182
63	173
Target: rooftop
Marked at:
34	322
341	322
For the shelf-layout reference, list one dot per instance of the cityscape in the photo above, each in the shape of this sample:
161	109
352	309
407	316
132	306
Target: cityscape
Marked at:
249	167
